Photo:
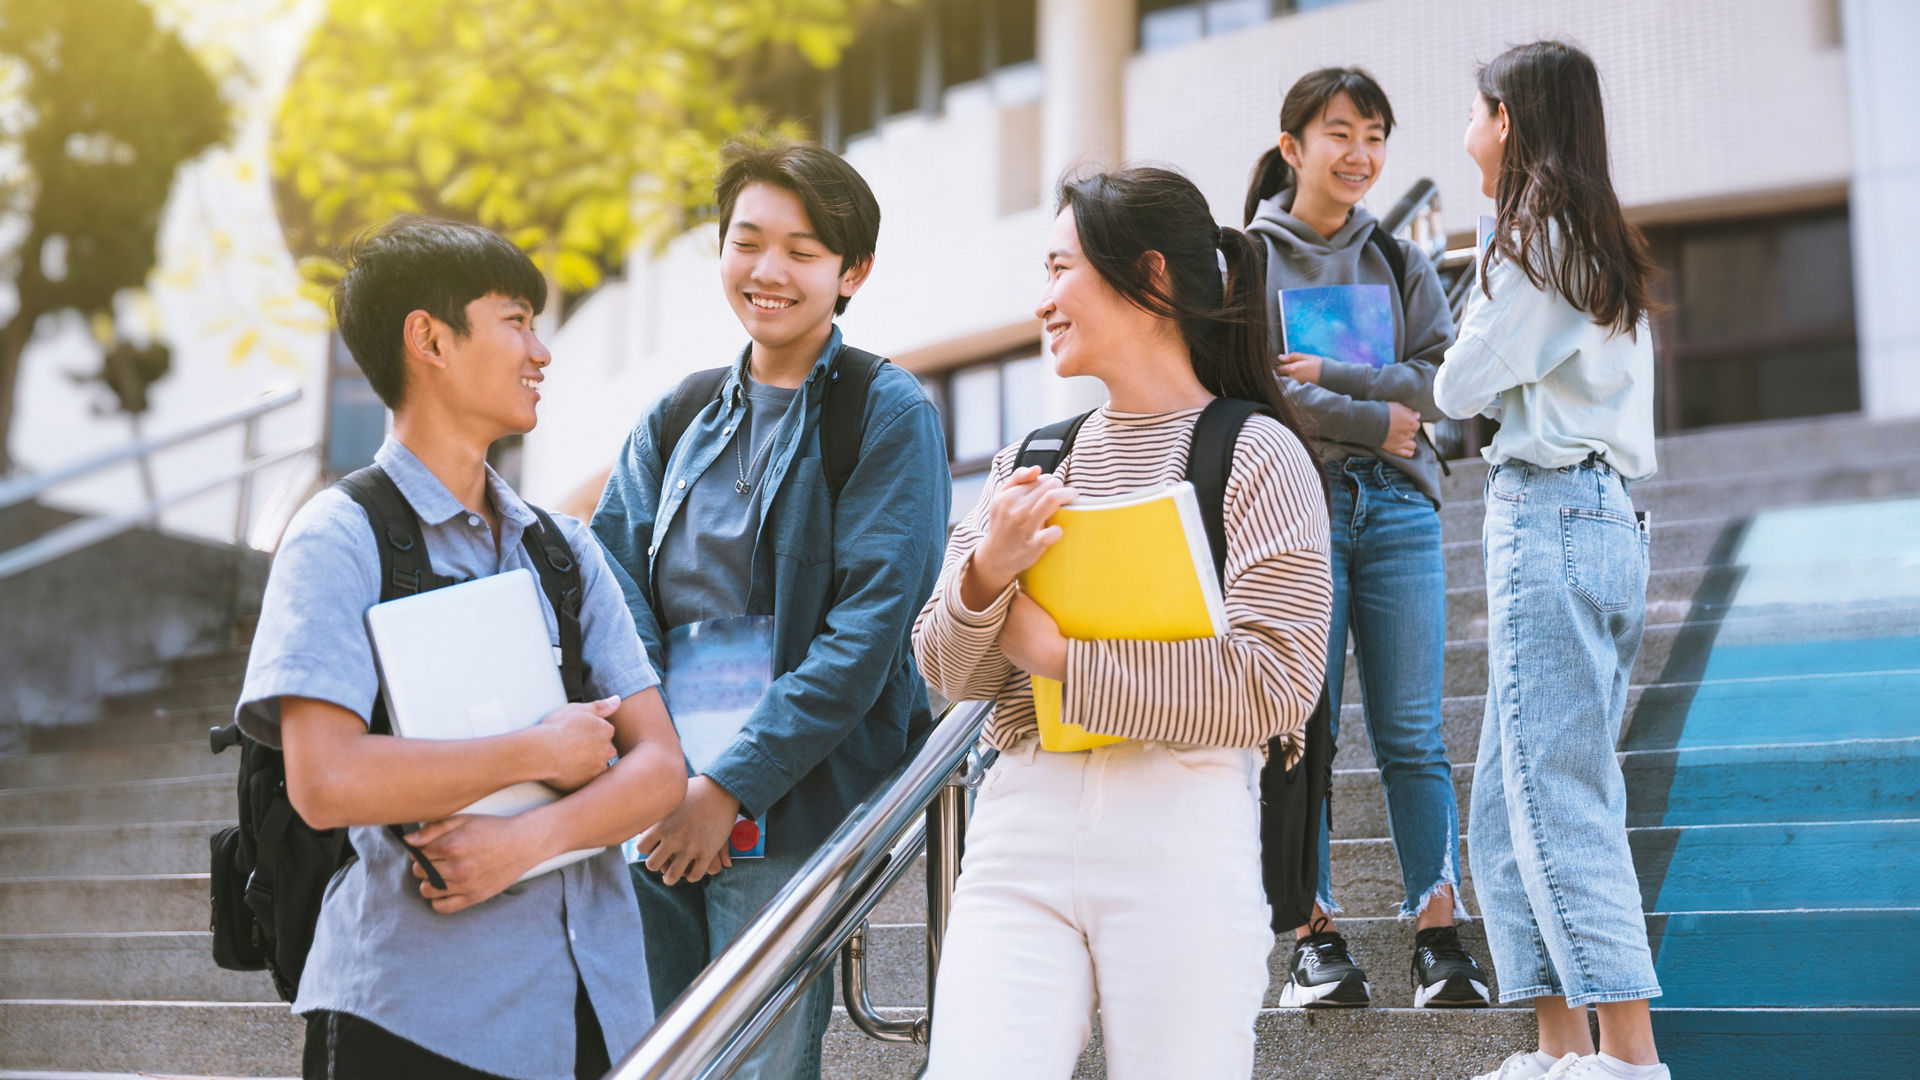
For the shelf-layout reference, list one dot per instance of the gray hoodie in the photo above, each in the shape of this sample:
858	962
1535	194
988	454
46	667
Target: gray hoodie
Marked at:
1347	410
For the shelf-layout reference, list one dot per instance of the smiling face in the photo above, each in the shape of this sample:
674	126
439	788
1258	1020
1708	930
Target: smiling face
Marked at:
491	374
1487	142
1087	322
780	279
1338	156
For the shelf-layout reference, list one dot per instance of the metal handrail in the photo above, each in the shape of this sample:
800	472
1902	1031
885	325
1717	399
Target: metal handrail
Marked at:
1423	192
86	532
720	1017
26	487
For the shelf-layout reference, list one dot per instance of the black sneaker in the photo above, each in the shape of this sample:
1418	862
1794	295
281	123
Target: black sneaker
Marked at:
1322	974
1445	976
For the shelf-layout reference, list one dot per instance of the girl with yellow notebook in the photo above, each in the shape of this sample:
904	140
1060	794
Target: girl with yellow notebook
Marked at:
1126	877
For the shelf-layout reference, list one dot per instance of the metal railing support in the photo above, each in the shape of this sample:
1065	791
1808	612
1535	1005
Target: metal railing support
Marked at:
794	939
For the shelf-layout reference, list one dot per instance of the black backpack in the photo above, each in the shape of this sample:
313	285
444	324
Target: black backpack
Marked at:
270	872
1290	799
842	414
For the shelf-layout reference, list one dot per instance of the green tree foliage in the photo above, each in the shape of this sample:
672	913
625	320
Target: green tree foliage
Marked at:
575	128
103	107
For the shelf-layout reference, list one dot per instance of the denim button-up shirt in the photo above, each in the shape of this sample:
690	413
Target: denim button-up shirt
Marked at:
493	986
845	579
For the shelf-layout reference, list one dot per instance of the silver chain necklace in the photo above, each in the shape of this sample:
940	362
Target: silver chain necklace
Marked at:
742	485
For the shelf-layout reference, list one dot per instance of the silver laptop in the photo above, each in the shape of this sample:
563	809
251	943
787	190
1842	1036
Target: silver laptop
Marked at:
471	661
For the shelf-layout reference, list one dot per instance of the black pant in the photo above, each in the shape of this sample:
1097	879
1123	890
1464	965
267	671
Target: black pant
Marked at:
341	1046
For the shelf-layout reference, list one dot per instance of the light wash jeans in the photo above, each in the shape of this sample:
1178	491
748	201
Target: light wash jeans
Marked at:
1124	878
1566	603
1390	587
687	925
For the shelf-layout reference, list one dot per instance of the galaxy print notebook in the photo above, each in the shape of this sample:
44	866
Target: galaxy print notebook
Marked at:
1352	323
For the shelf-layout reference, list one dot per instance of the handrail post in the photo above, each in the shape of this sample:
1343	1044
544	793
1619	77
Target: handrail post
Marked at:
946	843
243	502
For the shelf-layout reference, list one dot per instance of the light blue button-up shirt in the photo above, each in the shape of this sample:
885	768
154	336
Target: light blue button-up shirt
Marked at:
493	986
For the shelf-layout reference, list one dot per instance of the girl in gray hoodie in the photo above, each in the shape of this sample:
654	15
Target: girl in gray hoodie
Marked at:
1388	574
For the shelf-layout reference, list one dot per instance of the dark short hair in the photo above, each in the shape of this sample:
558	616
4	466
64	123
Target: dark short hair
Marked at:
416	263
842	209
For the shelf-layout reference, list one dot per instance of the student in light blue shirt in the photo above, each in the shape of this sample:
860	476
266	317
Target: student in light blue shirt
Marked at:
540	980
1555	342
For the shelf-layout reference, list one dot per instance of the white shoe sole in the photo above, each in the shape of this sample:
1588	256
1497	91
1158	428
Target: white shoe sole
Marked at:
1295	996
1423	995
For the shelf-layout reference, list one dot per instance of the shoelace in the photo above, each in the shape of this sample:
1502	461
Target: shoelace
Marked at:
1438	947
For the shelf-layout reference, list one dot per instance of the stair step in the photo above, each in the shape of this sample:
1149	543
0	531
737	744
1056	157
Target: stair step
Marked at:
1698	955
175	966
211	692
112	764
85	905
1774	446
42	851
896	964
1677	544
1855	780
223	663
1858	864
1737	494
192	798
229	1038
139	728
254	1040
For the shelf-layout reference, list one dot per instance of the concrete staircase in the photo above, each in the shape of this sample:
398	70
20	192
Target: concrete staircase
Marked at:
1772	758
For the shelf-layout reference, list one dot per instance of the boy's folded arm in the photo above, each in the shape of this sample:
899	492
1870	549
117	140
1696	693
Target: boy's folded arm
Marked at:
646	784
339	773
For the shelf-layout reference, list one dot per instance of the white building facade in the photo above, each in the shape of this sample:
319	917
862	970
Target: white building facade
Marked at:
1770	148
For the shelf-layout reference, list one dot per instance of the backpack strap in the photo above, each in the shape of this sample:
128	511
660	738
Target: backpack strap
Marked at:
843	413
1046	446
1389	249
1210	461
405	570
692	395
559	574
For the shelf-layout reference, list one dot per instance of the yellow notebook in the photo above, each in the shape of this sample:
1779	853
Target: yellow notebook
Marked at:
1128	566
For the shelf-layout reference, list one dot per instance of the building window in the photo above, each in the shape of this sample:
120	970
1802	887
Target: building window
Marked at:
1165	24
900	63
988	404
1760	323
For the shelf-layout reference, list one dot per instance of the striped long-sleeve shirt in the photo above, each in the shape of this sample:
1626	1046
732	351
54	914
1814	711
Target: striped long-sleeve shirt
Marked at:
1258	681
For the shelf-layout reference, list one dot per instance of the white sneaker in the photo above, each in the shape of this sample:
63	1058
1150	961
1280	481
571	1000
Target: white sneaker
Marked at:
1525	1065
1575	1067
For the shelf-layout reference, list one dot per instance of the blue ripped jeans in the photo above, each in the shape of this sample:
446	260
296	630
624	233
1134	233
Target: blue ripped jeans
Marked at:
1566	603
1390	588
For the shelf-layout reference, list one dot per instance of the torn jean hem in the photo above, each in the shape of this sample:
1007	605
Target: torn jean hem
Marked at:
1459	906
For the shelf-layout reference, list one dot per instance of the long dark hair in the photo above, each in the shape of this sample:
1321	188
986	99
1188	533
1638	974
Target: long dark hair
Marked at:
1122	215
1554	172
1305	101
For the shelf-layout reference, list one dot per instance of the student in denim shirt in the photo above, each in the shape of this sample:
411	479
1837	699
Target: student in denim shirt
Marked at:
1555	343
543	979
737	520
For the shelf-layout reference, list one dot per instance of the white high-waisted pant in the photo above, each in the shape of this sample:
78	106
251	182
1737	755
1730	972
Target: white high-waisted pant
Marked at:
1125	878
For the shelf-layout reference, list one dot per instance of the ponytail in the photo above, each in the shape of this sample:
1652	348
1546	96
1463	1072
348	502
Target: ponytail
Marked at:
1270	177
